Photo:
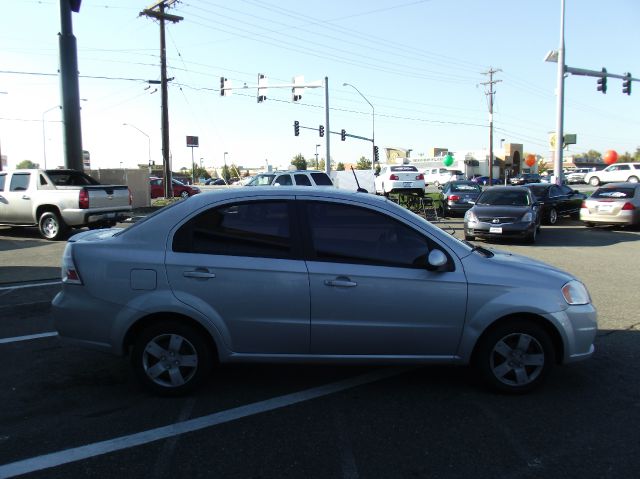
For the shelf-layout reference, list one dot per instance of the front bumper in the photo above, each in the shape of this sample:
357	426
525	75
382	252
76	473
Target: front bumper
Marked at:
504	230
578	326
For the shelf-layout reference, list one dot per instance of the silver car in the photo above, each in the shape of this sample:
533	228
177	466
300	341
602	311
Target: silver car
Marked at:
294	274
612	204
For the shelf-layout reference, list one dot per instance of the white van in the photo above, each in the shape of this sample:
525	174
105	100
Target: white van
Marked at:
440	176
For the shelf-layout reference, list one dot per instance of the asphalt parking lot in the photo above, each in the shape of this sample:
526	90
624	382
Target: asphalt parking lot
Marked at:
77	413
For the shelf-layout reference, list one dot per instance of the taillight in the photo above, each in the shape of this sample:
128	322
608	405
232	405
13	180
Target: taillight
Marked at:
584	204
628	207
70	273
453	197
394	177
130	197
83	199
420	177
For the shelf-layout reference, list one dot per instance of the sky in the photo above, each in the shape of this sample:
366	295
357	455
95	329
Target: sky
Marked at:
419	64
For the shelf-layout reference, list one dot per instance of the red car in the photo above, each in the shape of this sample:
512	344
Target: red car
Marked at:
179	189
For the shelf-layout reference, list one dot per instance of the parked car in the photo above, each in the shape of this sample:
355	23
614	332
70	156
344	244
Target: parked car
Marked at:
179	189
459	196
405	179
440	176
484	180
288	178
57	200
613	204
332	276
577	175
503	212
556	201
524	178
215	182
617	172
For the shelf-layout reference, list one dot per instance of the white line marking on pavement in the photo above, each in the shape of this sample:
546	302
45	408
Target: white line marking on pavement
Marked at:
29	337
22	286
125	442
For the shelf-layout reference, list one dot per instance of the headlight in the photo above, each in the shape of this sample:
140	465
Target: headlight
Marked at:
527	217
470	217
574	292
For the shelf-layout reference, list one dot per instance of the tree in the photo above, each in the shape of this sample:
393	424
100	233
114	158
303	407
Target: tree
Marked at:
226	173
27	165
363	164
626	158
322	164
340	166
299	162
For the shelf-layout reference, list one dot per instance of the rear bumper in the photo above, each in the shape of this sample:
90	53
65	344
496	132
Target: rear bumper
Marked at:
78	217
621	218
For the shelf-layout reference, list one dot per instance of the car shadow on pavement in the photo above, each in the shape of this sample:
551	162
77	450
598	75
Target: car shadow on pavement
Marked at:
20	274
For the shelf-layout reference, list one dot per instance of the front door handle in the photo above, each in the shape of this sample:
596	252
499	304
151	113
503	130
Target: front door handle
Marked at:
198	274
341	283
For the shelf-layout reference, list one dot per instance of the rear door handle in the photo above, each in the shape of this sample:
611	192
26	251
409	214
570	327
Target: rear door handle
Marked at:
341	283
198	274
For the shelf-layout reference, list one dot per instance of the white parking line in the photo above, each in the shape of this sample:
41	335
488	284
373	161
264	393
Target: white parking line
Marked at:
67	456
17	339
23	286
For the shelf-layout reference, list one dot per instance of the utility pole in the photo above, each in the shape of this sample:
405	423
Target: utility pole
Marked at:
490	93
157	11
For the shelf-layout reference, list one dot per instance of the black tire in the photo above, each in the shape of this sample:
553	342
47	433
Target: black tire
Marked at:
531	238
184	194
515	357
552	216
589	225
52	227
469	237
594	181
632	179
171	358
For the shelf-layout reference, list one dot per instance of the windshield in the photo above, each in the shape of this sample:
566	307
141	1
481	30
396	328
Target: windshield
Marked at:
504	197
262	180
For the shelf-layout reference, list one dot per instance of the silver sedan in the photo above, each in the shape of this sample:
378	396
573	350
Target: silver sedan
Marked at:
613	204
293	274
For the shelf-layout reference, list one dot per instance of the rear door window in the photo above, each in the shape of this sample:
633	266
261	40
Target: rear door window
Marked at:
19	182
321	179
302	179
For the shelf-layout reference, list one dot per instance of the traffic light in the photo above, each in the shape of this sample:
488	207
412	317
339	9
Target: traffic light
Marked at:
225	87
376	158
321	130
222	80
602	82
296	128
343	135
626	84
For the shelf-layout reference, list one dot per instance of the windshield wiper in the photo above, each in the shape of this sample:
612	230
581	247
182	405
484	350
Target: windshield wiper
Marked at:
483	251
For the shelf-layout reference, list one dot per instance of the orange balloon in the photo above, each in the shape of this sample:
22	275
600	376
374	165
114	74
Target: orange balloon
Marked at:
610	157
531	160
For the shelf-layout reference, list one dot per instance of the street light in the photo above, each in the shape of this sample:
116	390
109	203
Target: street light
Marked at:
317	165
148	140
558	56
373	126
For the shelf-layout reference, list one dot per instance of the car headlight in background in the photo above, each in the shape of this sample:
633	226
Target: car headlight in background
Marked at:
527	217
470	217
575	292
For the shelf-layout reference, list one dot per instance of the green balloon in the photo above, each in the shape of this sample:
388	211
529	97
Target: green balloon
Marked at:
448	160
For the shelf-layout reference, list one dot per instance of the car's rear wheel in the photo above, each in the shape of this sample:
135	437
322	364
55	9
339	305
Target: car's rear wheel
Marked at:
594	181
171	358
552	217
51	226
632	179
589	224
515	357
469	237
184	194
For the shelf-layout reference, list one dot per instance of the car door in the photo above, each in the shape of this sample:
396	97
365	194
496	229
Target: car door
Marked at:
239	263
17	199
370	291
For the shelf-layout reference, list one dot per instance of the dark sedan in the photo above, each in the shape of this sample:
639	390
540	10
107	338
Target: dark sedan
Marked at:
503	212
458	196
556	201
525	178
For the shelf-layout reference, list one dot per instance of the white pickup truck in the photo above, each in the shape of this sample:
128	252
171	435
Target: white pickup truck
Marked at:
57	200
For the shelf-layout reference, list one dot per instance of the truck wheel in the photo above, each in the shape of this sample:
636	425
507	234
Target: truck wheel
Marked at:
51	226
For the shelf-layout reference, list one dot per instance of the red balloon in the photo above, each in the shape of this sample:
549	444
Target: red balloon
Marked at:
610	157
530	161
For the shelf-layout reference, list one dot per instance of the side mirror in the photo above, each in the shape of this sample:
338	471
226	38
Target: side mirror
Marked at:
436	259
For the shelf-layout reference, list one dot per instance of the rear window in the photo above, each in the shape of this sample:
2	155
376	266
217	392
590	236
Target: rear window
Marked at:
70	178
321	179
614	193
404	168
473	187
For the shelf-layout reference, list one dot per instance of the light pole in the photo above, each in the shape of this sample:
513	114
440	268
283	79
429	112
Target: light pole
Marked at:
373	127
317	164
44	136
148	140
225	171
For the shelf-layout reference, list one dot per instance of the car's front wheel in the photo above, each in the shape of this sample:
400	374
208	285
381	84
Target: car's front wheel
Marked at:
594	181
184	194
515	357
171	358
